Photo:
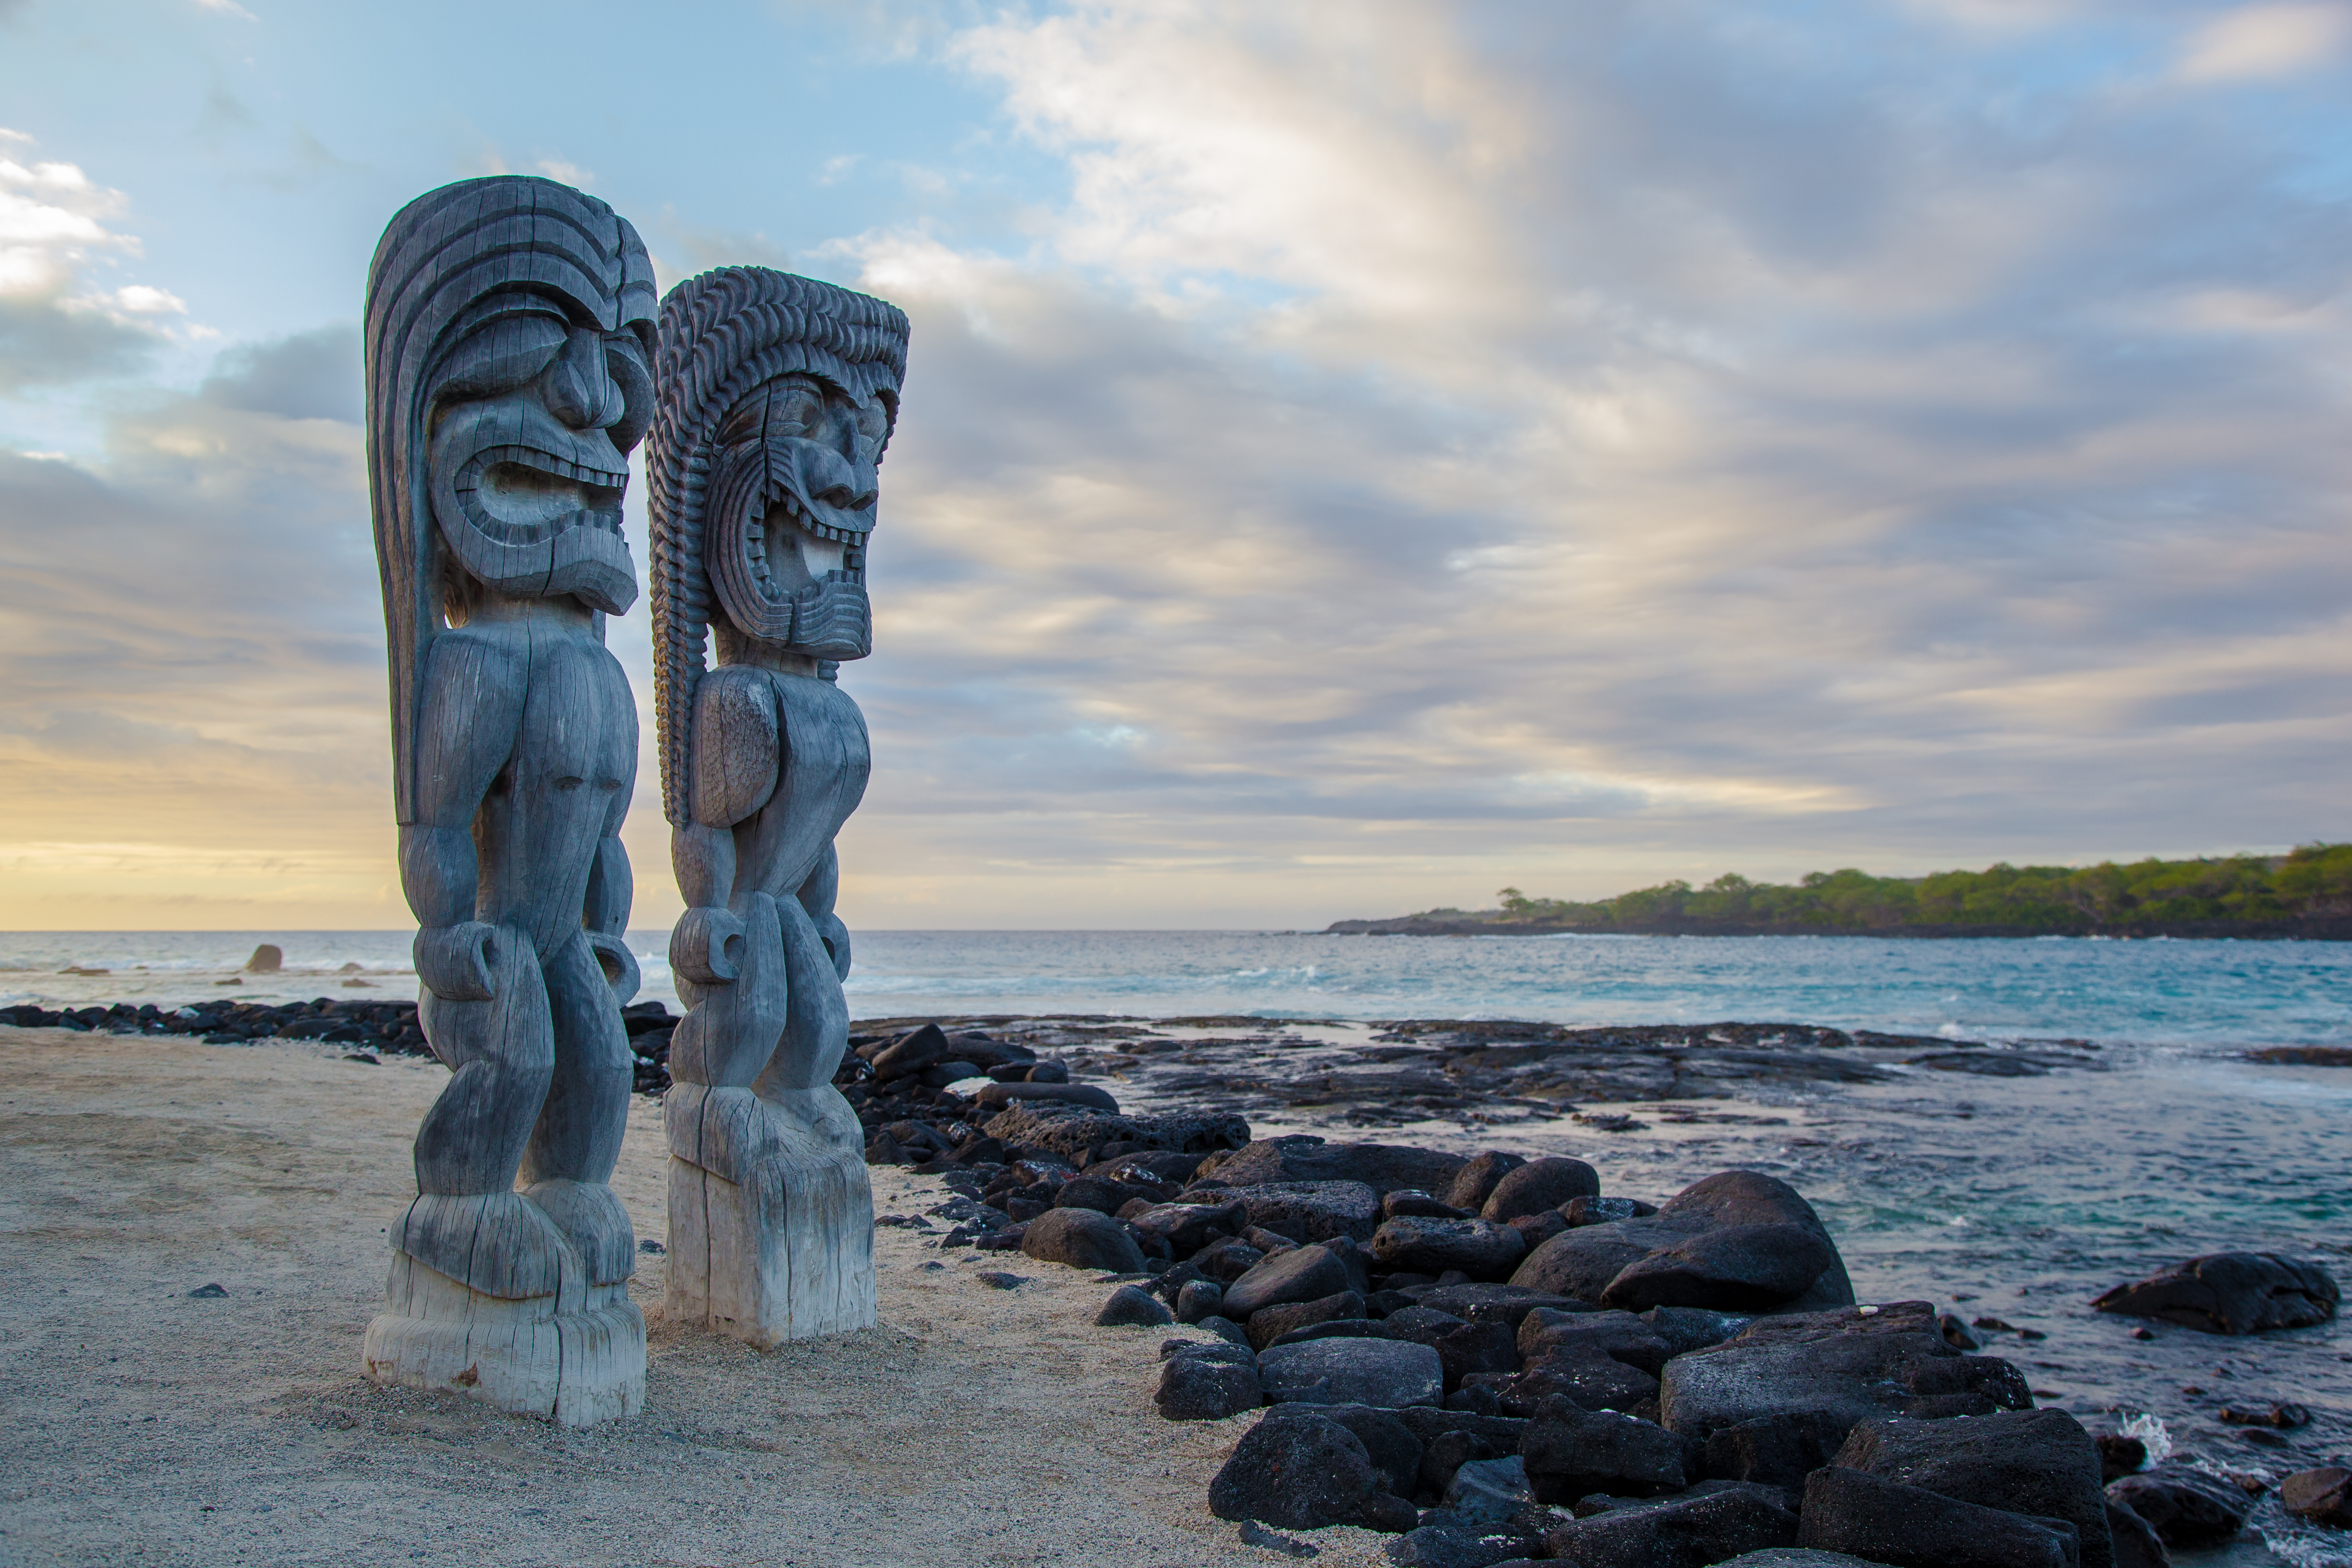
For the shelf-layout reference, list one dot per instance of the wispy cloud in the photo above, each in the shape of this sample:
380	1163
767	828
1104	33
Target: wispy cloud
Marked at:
2252	42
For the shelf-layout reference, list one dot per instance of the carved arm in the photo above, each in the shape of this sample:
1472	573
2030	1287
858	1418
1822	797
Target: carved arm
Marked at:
471	704
737	759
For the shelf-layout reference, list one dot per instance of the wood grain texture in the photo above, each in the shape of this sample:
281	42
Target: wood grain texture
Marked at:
509	337
776	397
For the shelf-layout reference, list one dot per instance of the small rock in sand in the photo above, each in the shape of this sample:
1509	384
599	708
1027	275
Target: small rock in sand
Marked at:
1131	1308
1082	1239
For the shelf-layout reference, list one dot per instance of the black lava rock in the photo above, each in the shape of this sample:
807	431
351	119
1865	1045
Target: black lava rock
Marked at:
1481	1248
1302	1274
2040	1463
1268	1324
1199	1298
1304	1158
2229	1293
2185	1507
1475	1183
1689	1532
1300	1474
1844	1368
1773	1450
1910	1527
1385	1374
1540	1185
1569	1453
1199	1386
1620	1336
1455	1545
1389	1443
1130	1307
1083	1240
2137	1545
1736	1241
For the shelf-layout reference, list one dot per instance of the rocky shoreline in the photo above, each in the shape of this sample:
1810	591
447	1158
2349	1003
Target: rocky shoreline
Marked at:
1494	1360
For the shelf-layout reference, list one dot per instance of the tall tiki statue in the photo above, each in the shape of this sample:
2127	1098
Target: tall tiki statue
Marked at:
778	395
509	337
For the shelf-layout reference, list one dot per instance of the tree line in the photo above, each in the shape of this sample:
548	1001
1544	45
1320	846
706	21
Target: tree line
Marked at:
2312	885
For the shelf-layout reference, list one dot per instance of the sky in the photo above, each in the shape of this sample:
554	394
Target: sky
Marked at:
1354	456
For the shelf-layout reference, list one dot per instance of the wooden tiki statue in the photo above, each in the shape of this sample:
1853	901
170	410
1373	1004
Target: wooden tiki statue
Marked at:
509	340
778	395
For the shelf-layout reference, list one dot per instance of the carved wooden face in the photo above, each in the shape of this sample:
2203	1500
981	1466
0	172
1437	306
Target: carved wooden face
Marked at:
794	501
533	413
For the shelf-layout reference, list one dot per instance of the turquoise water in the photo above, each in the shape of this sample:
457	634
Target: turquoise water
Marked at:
2186	994
2182	992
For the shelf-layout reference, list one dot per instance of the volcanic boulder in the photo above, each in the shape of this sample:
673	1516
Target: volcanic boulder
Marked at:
1910	1527
1299	1474
1382	1167
1538	1185
1737	1241
2229	1293
2035	1462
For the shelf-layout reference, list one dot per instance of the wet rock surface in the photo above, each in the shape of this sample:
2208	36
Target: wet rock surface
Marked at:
2229	1293
2186	1507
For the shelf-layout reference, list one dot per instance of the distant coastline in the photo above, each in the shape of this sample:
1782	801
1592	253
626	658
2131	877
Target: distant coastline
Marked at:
2303	896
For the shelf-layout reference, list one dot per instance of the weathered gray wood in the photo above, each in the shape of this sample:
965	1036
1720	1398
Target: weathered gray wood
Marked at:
509	336
777	397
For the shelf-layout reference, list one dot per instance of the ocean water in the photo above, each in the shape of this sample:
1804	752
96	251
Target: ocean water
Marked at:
2197	995
2018	1199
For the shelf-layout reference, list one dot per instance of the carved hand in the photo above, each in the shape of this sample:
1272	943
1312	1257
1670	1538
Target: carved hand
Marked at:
454	961
706	946
833	619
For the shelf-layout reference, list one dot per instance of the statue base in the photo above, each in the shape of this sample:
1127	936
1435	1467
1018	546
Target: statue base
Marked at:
787	1254
576	1362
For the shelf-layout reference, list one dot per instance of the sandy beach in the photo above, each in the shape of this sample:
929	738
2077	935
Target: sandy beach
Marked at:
142	1424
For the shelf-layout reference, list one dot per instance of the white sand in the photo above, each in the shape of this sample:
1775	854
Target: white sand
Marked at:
137	1425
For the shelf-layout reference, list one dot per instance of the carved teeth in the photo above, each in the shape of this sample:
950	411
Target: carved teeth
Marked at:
559	468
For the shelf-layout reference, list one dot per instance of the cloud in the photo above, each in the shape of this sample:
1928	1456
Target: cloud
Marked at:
1593	444
57	325
196	656
309	375
2252	42
43	342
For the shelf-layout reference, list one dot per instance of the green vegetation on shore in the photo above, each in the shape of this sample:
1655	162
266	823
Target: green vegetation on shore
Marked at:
2307	891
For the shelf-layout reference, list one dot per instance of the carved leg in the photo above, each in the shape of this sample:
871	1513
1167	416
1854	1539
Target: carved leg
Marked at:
487	1295
730	1031
771	1213
577	1141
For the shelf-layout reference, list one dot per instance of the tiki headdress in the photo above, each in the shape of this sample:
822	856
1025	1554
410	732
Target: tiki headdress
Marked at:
778	395
510	327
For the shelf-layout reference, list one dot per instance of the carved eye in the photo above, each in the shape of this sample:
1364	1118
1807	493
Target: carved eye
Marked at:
873	428
796	408
504	350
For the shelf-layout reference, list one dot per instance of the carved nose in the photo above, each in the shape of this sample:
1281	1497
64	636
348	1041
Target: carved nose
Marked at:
580	390
830	479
